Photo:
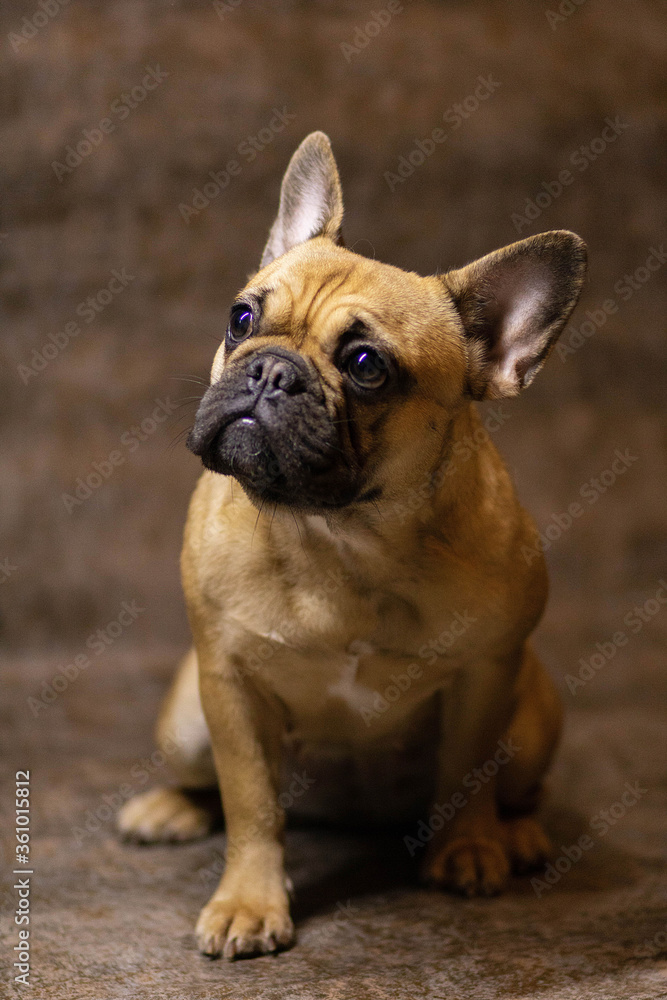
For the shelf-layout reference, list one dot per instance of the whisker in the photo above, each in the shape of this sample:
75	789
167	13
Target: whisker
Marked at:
275	508
190	378
180	437
296	523
259	512
209	336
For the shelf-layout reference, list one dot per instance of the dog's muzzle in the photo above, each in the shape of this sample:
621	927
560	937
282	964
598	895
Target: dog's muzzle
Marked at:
266	423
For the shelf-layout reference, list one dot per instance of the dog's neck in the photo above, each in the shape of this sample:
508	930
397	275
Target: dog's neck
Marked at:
445	506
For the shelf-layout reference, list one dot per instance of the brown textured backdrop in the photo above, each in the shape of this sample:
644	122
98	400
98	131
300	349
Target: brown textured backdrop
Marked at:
66	573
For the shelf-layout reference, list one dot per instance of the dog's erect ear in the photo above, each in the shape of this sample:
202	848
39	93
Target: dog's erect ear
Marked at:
513	305
311	200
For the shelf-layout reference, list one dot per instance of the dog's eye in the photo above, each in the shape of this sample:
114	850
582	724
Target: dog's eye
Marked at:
367	368
240	324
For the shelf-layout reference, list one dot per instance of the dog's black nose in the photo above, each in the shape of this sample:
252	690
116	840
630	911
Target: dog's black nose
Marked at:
270	376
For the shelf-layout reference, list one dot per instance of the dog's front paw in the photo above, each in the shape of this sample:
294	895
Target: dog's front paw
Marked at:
474	865
527	843
237	929
163	815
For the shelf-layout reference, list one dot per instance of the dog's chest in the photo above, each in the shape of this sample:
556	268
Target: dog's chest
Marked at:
345	642
359	679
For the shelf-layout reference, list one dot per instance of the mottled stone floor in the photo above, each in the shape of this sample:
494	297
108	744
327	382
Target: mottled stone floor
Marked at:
111	920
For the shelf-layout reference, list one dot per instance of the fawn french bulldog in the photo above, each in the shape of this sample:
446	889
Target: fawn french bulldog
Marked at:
336	533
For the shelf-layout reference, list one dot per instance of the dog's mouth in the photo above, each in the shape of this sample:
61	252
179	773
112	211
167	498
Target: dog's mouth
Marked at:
294	460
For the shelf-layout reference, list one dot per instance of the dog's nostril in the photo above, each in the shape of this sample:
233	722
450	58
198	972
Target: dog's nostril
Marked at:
274	376
285	378
255	369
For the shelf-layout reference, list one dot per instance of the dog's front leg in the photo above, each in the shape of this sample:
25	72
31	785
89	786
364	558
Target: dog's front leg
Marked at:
469	853
249	911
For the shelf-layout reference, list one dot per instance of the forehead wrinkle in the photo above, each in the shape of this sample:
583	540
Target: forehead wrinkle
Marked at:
328	288
311	300
308	304
280	308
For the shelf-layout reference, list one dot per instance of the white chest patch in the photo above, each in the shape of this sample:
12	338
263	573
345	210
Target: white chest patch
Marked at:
356	695
274	637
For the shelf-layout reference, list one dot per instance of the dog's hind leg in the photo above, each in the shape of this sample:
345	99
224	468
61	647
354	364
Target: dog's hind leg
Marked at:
534	732
191	809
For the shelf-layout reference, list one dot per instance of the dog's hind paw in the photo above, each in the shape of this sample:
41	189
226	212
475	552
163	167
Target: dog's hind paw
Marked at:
163	815
474	866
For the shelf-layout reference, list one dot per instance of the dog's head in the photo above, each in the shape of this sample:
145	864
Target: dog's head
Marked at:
339	376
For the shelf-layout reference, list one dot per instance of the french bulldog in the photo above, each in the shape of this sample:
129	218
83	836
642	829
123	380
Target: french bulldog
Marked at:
356	580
